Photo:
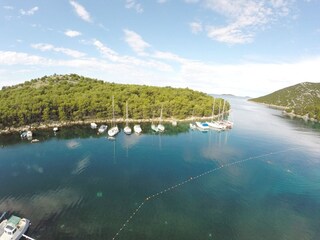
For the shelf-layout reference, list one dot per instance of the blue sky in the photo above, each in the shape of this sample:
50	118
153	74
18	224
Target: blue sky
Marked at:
242	47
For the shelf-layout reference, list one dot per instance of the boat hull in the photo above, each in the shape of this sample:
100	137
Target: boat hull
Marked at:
102	128
127	130
160	128
154	128
21	229
137	129
113	131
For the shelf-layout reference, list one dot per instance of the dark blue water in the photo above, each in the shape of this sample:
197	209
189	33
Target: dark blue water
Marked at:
77	185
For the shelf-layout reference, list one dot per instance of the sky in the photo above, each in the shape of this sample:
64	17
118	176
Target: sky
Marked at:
240	47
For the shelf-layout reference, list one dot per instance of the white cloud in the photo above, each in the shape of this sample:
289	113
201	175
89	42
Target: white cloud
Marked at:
103	27
81	11
243	18
253	79
105	51
196	27
136	42
168	56
30	11
129	61
48	47
191	1
162	68
230	34
162	1
72	33
133	4
17	58
8	7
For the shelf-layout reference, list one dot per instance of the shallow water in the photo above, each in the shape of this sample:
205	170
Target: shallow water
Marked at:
79	185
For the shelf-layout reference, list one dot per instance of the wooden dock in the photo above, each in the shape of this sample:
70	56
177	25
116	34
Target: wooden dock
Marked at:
27	237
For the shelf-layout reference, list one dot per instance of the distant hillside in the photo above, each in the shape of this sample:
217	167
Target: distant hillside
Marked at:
72	98
301	99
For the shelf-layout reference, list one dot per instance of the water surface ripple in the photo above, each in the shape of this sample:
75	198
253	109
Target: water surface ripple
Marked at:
259	180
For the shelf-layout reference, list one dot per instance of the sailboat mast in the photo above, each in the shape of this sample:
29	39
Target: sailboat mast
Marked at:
219	111
127	113
161	114
224	104
213	108
113	110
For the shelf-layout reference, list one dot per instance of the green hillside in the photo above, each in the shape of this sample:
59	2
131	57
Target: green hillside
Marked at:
301	99
72	98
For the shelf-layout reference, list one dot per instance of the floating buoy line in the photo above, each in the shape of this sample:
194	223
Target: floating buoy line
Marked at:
158	194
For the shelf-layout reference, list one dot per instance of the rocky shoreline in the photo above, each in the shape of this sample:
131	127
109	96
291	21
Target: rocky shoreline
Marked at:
289	114
42	126
274	106
305	117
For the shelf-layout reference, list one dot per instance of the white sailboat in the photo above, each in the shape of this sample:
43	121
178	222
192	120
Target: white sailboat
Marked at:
226	123
127	130
137	129
153	126
114	130
216	125
160	127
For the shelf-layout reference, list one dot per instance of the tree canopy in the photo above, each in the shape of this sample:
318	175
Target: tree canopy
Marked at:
302	99
73	97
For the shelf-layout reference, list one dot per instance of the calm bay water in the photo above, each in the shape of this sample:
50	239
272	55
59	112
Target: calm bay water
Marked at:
78	185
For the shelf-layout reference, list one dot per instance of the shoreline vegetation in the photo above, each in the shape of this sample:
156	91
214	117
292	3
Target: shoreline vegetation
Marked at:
304	117
301	101
289	114
51	125
63	100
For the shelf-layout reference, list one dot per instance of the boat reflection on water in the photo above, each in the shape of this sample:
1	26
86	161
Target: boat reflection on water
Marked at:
79	185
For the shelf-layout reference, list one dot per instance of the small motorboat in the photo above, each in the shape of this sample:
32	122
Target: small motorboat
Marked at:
26	134
13	228
23	134
102	128
203	127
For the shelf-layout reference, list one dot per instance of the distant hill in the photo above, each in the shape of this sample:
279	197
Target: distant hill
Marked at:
73	98
302	99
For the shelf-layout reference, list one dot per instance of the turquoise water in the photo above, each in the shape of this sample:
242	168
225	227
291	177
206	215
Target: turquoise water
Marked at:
79	185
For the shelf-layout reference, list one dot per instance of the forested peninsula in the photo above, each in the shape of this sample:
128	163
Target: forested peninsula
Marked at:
74	98
301	100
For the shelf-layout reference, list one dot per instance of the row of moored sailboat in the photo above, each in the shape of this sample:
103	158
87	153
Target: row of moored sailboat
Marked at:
220	124
114	130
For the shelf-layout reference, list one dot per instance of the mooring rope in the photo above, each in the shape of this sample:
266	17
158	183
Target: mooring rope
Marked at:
157	194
